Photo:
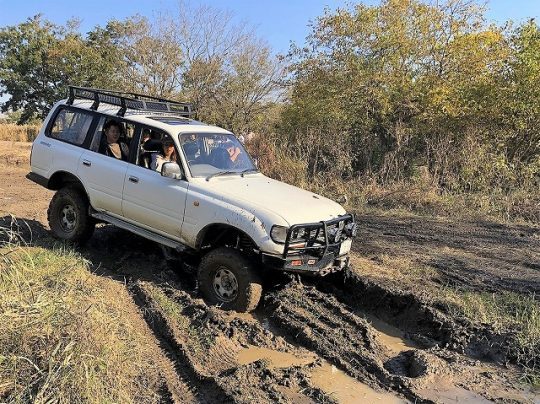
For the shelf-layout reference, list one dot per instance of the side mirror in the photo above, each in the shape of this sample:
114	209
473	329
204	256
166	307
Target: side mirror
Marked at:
171	170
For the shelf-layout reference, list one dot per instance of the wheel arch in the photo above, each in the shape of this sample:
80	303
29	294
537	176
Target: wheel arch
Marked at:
62	178
220	235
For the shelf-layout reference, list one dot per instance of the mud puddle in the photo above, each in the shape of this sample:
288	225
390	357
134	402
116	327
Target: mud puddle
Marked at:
345	389
391	337
442	392
334	382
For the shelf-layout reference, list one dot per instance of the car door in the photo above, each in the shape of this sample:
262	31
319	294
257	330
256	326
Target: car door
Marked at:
103	176
153	201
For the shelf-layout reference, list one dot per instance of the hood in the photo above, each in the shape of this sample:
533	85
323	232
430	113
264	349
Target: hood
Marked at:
293	204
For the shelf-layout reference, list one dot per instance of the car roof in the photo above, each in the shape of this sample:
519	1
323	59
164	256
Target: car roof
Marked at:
170	123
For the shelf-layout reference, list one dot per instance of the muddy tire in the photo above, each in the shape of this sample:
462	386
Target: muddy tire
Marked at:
68	216
227	279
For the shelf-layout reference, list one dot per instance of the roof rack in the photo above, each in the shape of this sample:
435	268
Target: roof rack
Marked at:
129	100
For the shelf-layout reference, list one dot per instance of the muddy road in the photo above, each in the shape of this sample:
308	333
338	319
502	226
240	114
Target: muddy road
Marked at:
477	255
376	336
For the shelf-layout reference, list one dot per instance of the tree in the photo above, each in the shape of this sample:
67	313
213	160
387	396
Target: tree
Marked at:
407	82
38	60
522	96
229	74
151	58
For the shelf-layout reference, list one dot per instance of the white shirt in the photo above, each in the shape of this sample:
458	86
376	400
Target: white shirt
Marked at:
157	161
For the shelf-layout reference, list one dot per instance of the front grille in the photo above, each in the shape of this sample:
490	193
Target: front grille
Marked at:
316	239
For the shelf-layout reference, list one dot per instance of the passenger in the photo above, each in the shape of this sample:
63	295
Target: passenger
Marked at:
149	142
234	152
110	144
225	157
146	136
167	155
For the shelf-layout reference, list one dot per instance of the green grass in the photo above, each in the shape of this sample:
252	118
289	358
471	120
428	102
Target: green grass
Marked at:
506	312
67	335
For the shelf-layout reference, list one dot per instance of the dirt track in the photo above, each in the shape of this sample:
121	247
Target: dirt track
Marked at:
476	255
372	338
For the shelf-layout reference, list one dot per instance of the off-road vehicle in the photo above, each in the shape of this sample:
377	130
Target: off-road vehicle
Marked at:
209	202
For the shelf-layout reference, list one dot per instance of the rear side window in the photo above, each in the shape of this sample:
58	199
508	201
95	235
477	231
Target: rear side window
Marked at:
71	126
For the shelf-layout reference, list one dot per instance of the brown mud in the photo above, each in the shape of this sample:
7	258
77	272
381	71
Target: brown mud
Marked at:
477	255
370	338
214	343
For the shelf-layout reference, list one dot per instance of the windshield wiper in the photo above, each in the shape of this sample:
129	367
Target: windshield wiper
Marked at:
220	173
249	170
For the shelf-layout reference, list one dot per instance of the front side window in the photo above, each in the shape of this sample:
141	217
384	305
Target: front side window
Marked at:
71	126
211	153
156	148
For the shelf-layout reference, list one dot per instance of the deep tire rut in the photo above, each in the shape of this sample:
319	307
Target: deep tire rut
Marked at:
204	343
203	388
322	324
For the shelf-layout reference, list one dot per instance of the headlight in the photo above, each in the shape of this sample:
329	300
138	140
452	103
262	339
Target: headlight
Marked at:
351	229
279	233
334	234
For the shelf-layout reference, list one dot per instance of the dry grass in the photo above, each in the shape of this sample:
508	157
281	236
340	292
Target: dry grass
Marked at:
423	198
67	335
419	194
198	337
18	133
15	153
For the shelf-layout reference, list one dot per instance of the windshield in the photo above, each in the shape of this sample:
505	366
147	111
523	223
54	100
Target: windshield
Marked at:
208	154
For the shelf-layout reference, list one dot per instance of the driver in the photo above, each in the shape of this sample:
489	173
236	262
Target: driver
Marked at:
234	152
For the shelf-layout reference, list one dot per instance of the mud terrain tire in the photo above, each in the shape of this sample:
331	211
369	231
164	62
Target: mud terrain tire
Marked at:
224	262
68	216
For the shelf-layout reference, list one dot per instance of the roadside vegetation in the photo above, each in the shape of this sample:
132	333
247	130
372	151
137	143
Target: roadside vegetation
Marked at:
67	335
18	133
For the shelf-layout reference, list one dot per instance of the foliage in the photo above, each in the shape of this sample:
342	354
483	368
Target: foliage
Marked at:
196	54
409	84
229	74
39	59
377	95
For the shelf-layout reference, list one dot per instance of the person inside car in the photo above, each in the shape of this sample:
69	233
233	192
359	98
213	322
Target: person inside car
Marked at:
167	155
110	144
234	152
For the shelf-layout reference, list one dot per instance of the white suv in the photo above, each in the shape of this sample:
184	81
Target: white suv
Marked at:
210	201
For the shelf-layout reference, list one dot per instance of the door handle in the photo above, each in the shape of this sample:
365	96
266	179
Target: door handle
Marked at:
87	163
45	143
134	179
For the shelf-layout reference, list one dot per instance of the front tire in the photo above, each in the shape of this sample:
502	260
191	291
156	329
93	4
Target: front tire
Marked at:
68	216
227	278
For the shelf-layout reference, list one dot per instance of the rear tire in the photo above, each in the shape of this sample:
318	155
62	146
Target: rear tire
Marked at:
68	216
228	279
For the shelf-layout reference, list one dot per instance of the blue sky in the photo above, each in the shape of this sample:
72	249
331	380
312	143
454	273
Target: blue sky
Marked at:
278	21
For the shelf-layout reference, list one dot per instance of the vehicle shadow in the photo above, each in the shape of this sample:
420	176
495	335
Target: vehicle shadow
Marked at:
110	252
